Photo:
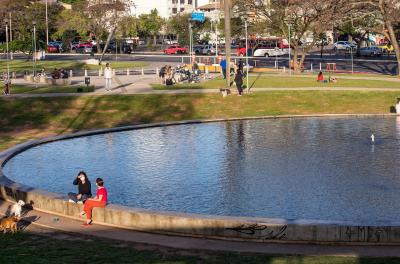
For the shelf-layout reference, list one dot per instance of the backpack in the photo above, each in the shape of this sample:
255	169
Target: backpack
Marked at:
168	82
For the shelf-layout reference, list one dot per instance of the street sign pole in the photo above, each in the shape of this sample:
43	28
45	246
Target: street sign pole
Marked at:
247	58
228	40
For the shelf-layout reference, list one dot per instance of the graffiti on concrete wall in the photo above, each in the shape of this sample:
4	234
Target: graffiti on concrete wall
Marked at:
366	233
261	231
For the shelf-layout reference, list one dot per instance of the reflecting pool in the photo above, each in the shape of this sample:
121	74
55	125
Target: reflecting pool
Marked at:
298	168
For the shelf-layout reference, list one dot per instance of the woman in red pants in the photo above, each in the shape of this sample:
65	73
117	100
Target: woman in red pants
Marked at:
99	201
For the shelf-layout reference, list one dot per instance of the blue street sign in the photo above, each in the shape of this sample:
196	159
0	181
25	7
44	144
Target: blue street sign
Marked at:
198	16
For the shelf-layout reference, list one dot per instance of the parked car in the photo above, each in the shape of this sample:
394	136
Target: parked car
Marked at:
208	50
198	49
386	47
344	45
84	48
176	49
170	41
370	51
53	49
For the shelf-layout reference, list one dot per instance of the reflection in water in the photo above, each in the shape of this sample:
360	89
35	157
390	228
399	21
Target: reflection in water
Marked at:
309	168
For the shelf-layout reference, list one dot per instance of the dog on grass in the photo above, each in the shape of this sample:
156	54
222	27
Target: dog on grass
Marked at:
9	223
16	209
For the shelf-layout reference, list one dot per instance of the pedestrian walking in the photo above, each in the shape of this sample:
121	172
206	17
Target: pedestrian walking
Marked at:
223	67
240	65
108	76
7	83
239	82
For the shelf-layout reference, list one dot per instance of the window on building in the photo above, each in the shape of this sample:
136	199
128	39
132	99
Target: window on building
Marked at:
182	9
174	10
182	2
190	2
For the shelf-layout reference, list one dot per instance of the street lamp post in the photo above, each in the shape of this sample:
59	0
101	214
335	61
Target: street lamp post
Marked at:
228	40
352	61
190	42
290	66
8	62
47	27
34	49
247	58
216	40
11	37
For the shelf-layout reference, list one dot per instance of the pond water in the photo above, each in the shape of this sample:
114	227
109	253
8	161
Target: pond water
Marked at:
300	168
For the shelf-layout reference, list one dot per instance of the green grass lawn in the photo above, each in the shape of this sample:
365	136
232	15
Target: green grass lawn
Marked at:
21	89
22	119
23	65
265	81
32	249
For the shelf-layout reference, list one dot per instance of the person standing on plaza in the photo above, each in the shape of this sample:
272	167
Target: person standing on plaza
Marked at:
108	76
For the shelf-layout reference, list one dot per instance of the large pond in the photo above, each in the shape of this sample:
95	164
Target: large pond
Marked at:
301	168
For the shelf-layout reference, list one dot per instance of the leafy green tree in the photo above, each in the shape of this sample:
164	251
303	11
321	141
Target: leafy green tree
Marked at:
150	25
23	14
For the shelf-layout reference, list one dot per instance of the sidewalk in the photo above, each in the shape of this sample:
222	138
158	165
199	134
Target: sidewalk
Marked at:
39	222
141	84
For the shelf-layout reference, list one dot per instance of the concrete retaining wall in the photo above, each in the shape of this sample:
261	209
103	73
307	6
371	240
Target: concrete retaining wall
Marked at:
232	228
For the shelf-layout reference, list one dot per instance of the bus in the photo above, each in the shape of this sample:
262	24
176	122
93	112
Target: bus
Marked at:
263	47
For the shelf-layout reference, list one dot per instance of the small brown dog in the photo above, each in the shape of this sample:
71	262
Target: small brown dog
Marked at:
9	223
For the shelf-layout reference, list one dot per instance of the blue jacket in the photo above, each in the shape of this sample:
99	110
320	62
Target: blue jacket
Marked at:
223	64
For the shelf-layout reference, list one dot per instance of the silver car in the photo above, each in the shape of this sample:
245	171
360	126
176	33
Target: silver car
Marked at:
370	51
208	49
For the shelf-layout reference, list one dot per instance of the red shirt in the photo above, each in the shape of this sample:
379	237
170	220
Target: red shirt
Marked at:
102	191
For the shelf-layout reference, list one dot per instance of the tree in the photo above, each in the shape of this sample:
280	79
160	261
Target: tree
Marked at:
303	17
23	13
150	25
179	25
388	12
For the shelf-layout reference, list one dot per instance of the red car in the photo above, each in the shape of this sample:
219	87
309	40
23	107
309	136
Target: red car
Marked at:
52	49
176	49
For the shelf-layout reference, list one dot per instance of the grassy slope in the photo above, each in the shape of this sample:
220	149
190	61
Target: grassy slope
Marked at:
20	89
264	81
26	248
27	118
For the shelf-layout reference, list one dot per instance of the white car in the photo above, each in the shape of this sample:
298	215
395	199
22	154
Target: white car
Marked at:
344	45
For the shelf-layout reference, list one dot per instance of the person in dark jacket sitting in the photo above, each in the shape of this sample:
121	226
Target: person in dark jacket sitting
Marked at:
84	189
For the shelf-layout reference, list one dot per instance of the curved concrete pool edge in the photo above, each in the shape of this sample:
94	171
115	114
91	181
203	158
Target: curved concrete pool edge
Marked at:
230	228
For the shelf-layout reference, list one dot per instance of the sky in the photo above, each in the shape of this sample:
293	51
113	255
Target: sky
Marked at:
145	6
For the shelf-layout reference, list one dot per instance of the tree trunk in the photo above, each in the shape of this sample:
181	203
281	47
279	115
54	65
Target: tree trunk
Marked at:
155	40
294	60
395	44
322	50
98	46
301	64
110	35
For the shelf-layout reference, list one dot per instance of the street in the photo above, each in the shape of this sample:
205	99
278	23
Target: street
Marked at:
385	64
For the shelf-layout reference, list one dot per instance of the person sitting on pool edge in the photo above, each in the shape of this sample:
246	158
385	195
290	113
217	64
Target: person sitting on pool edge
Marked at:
320	77
84	189
99	201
